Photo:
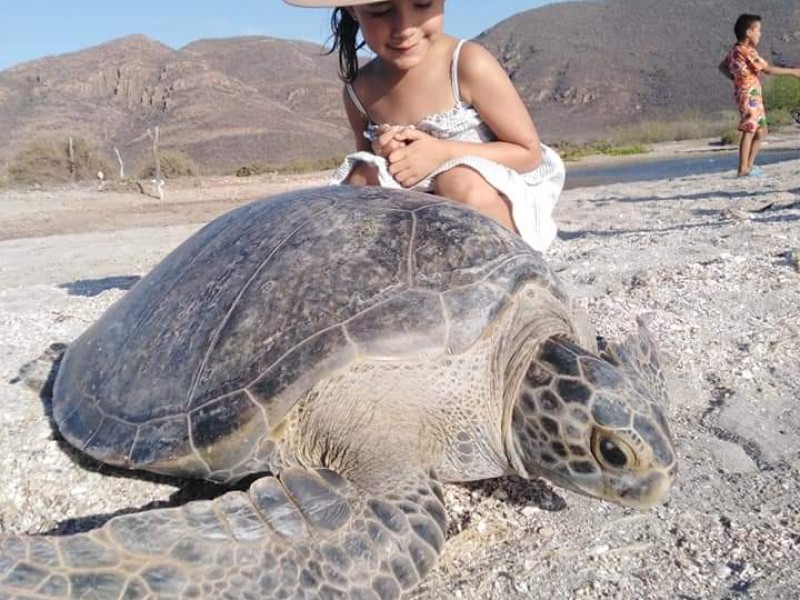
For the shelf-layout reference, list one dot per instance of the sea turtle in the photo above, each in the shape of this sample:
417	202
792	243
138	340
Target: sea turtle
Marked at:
356	348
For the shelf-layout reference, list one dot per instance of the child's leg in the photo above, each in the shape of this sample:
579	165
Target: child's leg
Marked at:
363	174
745	146
467	186
759	136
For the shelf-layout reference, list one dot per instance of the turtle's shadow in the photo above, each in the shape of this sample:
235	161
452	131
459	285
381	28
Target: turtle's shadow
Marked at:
520	492
95	287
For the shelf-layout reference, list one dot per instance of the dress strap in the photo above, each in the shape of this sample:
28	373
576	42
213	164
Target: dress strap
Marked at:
454	71
352	93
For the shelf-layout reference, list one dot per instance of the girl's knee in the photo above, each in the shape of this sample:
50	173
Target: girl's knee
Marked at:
362	174
466	186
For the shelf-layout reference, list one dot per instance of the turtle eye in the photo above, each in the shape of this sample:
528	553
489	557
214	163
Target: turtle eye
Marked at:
612	453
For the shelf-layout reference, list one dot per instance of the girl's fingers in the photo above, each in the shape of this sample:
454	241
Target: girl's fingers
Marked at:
409	134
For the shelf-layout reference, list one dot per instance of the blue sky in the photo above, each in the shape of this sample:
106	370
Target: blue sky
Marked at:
31	29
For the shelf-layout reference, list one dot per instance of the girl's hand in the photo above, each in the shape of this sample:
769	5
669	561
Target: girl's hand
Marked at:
386	143
417	157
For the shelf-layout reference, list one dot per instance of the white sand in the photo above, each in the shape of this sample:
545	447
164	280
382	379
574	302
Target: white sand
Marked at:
718	282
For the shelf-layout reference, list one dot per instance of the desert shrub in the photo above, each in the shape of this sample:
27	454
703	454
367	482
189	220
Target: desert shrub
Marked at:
252	170
174	163
311	165
47	161
690	125
782	93
126	185
296	165
730	135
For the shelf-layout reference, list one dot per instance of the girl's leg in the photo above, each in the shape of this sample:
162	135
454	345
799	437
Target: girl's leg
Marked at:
467	186
363	174
759	136
745	146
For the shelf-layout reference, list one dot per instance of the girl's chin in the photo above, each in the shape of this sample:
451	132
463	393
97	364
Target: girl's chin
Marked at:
403	62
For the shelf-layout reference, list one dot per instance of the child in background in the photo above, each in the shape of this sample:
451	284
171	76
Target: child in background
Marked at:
433	113
743	65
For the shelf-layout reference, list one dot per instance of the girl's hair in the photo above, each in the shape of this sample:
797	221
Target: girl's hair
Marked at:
344	29
743	25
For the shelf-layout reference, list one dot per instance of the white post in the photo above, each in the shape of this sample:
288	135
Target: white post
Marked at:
72	173
121	164
158	181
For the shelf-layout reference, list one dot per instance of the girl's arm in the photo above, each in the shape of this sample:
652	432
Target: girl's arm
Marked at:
484	84
357	122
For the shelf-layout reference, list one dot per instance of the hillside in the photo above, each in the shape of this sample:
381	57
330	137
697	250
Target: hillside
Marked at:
585	66
581	68
225	102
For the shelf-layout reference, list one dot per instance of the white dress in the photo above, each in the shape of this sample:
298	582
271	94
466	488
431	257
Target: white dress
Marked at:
532	195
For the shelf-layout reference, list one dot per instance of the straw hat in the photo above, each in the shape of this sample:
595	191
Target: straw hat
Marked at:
329	3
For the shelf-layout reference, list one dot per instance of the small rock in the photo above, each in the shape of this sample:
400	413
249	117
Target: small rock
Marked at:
722	571
598	549
529	511
521	586
499	494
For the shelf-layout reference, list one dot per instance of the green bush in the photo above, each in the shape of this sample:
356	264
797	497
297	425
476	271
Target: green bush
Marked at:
572	152
47	161
174	163
779	117
782	93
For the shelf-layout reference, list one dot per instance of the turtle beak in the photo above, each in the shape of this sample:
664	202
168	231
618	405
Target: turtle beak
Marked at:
644	491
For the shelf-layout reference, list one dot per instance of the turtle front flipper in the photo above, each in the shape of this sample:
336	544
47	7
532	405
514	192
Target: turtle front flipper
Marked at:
304	534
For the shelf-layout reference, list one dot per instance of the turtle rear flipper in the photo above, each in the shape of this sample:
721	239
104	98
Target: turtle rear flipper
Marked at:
305	533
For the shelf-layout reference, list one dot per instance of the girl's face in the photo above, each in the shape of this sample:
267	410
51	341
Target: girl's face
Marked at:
754	34
400	32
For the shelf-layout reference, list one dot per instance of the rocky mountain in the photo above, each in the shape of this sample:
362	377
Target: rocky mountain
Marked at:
585	66
227	103
581	68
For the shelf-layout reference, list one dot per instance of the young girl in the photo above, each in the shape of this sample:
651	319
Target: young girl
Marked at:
433	113
743	65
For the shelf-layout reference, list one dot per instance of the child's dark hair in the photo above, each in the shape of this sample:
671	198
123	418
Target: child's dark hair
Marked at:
344	31
743	25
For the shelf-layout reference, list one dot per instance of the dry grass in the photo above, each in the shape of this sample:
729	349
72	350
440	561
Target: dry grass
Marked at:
296	166
174	163
48	161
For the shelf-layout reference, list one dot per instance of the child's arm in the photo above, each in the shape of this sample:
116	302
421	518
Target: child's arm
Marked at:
357	122
485	85
773	70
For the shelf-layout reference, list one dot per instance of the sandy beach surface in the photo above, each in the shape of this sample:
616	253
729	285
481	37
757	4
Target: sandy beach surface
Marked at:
711	263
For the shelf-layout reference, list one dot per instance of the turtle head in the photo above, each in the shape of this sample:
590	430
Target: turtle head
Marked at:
595	423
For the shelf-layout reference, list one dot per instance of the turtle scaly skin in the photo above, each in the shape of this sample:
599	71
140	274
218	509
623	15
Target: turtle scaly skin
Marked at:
355	347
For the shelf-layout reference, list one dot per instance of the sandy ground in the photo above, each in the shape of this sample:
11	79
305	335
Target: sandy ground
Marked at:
710	261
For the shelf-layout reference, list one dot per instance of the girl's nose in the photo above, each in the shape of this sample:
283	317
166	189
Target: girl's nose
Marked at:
403	18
